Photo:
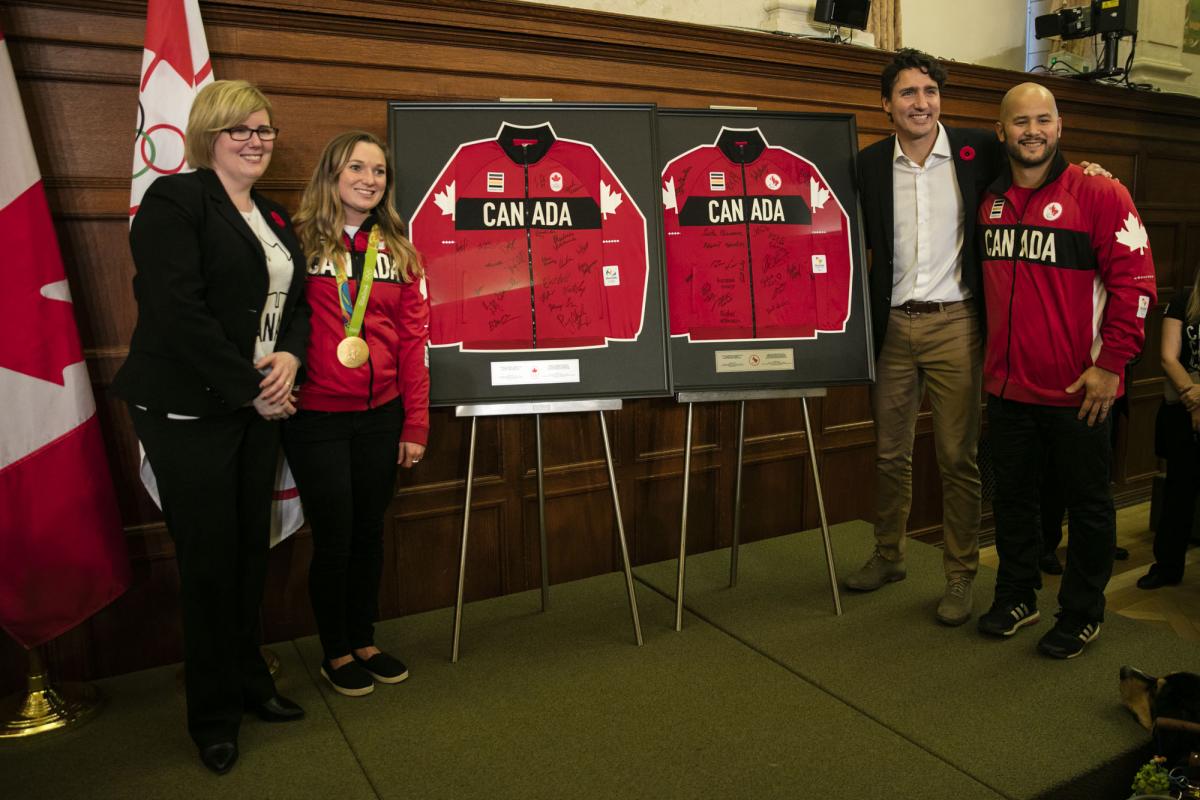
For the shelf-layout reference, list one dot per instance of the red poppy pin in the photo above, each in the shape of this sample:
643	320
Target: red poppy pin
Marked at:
278	219
967	153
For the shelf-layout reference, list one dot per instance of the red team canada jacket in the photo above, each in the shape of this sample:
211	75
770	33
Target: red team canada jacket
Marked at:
395	327
1069	279
757	245
530	242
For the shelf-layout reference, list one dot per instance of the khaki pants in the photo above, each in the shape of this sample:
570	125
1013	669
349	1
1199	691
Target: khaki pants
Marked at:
941	354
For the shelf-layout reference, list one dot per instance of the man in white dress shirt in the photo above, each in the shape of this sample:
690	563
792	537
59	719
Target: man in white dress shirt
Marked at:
920	189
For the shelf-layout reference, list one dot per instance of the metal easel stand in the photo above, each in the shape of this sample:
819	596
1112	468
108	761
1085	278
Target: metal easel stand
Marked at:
741	397
537	410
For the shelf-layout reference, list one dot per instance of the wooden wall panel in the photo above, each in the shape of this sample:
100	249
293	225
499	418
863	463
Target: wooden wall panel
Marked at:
1165	242
775	497
581	533
659	500
329	65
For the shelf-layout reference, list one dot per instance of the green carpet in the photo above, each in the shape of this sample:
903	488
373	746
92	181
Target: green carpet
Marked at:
1022	724
554	705
137	748
563	704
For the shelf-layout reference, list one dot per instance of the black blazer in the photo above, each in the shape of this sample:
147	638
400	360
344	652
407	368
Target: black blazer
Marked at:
200	285
978	157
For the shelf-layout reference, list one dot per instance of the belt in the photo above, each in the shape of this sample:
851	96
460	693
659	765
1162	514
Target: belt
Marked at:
923	307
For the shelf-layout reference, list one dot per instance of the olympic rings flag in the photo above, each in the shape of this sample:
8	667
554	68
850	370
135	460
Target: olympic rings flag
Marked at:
175	66
62	548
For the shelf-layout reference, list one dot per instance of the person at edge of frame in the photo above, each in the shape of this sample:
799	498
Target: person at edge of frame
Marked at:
1177	437
214	355
1069	281
364	403
919	190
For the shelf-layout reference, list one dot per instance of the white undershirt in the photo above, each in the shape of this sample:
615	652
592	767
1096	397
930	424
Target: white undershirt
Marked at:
928	227
279	268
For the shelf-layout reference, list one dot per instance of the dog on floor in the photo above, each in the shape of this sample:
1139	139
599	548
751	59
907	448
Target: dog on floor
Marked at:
1168	707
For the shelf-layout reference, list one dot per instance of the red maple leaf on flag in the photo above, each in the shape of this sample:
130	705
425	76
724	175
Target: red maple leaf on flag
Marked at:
167	37
37	334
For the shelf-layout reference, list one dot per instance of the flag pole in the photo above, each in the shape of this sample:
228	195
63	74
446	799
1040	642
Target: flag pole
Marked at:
44	707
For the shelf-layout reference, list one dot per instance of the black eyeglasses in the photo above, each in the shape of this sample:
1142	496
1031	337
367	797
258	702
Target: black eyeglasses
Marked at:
240	133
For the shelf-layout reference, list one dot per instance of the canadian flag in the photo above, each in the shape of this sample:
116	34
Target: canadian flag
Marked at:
175	66
62	548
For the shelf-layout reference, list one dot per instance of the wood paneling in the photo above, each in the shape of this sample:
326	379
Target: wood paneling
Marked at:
329	65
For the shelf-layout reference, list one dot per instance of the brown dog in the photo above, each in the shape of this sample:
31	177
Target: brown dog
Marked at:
1168	707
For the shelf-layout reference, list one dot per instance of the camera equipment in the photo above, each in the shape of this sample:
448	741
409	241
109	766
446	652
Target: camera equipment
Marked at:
851	13
1109	19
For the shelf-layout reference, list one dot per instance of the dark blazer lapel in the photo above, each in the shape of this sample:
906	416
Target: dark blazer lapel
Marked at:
228	210
885	196
964	170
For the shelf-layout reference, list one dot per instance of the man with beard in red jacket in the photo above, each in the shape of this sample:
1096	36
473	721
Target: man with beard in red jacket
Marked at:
1068	280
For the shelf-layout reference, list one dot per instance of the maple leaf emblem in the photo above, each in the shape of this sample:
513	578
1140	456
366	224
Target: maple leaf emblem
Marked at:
817	196
669	195
1133	235
609	200
445	200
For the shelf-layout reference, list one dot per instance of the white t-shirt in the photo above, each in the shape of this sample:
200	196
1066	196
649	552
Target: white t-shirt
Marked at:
280	270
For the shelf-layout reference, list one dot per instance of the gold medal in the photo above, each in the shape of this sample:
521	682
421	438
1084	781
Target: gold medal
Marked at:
352	352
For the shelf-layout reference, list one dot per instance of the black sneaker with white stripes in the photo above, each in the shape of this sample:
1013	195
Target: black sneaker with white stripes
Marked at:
1067	639
1005	619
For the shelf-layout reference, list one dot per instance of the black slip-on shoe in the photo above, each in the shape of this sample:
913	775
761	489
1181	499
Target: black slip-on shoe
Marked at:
349	679
384	668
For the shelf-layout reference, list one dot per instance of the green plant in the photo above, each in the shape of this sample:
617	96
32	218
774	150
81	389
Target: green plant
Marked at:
1152	777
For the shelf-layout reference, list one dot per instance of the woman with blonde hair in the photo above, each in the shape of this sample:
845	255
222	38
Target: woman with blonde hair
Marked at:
364	403
1175	437
220	335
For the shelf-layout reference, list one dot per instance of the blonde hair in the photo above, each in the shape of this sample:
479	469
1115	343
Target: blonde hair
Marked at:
321	217
220	105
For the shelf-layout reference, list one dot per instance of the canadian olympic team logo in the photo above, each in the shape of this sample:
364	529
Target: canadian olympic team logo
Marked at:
556	181
1052	211
159	147
773	182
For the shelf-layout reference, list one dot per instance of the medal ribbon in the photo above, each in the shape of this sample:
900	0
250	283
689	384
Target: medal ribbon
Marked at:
352	314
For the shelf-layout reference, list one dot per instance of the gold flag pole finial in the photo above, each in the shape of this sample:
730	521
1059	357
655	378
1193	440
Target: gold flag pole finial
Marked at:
44	707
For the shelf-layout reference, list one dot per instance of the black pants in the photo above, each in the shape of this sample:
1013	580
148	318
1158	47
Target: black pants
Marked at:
345	468
215	479
1022	436
1177	444
1052	507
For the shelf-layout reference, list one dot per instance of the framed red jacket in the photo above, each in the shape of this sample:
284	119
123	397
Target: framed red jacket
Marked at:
757	244
530	242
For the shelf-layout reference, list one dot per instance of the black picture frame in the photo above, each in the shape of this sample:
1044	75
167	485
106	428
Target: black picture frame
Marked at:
426	136
830	143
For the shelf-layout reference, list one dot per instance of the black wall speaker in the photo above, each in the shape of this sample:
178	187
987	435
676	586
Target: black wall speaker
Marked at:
851	13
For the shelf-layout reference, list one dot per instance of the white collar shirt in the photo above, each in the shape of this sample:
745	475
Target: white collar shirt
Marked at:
928	227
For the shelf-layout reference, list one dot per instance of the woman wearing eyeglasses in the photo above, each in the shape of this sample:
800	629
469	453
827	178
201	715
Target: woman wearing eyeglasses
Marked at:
220	334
